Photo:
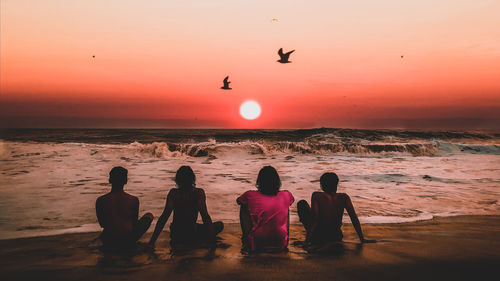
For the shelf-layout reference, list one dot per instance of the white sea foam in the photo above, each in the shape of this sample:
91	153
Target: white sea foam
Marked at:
431	148
394	219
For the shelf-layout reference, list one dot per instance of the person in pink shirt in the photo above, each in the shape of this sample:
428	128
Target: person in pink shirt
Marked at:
264	215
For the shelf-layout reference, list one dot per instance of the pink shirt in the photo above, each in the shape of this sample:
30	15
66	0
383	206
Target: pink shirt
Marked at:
269	216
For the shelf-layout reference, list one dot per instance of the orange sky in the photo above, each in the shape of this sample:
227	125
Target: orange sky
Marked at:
165	60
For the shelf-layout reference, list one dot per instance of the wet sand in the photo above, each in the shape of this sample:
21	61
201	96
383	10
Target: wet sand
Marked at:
452	248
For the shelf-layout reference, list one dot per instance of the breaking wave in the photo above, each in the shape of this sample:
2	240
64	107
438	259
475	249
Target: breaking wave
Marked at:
202	149
448	147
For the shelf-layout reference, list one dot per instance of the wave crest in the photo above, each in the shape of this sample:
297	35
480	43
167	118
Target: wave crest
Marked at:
163	149
468	148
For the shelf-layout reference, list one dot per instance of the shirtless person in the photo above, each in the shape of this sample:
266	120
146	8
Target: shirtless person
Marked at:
186	201
118	213
323	219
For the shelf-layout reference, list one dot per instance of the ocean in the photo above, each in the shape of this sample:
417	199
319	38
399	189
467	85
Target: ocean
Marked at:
50	178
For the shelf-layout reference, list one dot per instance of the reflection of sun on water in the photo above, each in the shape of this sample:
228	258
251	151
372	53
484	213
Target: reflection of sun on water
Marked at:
250	110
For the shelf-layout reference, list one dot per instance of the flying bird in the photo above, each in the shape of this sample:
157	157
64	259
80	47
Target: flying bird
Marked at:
402	56
93	56
274	20
284	57
226	84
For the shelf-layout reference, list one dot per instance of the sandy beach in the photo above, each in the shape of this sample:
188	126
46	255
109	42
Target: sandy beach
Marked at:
450	248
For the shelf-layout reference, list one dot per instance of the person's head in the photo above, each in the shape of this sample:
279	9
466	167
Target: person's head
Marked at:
329	182
268	181
118	176
185	178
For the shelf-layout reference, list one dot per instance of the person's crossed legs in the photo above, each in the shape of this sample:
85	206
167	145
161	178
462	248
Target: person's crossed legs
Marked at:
304	212
142	226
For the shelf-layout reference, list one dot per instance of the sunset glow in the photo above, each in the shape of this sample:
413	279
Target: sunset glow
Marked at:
159	64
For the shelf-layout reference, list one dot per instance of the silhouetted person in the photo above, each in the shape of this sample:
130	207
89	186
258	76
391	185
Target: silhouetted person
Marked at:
118	213
284	56
323	220
264	214
226	84
186	201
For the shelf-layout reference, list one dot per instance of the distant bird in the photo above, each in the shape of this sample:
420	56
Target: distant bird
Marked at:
274	20
402	56
284	57
93	56
226	84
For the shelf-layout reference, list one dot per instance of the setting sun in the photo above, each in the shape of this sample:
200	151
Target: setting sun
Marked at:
250	110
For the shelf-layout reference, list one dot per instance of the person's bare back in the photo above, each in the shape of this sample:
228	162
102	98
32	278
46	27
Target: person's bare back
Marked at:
186	202
323	220
118	212
328	209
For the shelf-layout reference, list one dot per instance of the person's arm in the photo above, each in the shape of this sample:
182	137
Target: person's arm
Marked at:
288	217
288	227
136	209
245	219
245	223
354	219
314	217
202	208
160	224
242	200
99	212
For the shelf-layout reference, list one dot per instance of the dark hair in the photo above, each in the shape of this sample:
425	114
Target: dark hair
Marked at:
329	182
185	178
118	175
268	181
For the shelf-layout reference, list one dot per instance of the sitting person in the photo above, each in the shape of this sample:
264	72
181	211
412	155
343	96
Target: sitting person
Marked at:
118	212
264	214
186	201
323	219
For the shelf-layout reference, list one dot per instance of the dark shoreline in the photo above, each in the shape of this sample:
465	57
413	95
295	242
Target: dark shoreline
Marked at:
445	248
